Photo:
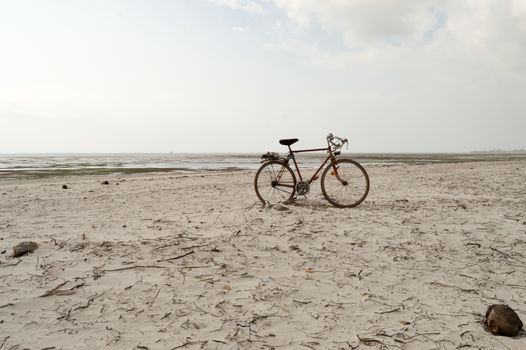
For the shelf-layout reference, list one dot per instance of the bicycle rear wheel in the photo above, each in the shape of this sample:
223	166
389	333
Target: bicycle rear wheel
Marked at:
350	189
275	182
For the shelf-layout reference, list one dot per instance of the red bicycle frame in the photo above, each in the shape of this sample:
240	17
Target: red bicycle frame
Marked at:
330	157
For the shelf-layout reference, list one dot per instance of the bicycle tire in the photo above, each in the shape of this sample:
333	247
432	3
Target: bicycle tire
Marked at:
275	182
347	195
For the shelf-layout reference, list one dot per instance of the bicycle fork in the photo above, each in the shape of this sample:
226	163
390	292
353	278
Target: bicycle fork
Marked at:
335	173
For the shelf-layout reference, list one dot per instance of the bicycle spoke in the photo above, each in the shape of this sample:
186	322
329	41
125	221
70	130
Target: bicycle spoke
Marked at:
279	189
285	185
270	171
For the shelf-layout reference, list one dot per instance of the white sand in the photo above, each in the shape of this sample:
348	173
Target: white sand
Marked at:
413	267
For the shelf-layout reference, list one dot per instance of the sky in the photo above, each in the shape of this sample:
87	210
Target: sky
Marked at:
237	75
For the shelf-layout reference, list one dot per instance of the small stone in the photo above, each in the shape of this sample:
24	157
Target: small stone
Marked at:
280	207
24	248
502	320
64	187
105	182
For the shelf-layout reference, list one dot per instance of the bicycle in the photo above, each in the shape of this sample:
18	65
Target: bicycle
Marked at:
344	182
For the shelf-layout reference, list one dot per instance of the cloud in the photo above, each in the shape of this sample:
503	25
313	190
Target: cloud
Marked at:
250	7
365	22
493	29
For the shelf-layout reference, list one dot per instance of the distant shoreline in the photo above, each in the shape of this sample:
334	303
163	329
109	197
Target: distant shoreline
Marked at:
498	151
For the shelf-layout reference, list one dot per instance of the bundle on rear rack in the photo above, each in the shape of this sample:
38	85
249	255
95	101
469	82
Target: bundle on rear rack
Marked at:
270	156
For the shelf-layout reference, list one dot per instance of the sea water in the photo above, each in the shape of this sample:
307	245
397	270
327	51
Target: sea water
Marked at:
38	165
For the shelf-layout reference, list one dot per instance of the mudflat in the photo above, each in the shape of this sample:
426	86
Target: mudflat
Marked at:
193	261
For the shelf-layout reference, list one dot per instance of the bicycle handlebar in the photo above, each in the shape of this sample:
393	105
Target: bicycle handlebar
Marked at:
336	142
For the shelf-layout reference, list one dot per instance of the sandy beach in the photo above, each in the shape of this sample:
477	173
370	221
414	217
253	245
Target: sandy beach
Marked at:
192	261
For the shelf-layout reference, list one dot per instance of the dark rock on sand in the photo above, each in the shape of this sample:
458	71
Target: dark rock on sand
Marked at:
502	320
24	248
64	187
105	182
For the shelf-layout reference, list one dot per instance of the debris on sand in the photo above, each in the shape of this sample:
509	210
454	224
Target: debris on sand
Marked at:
502	320
280	207
24	248
105	182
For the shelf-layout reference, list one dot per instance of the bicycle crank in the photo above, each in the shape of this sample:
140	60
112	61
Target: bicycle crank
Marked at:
302	188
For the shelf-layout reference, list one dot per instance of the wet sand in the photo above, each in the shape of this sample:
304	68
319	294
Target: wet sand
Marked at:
165	261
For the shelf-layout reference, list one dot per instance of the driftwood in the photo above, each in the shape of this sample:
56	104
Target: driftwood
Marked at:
54	291
2	345
134	267
176	257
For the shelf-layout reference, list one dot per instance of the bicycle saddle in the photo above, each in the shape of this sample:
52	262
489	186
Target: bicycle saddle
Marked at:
288	142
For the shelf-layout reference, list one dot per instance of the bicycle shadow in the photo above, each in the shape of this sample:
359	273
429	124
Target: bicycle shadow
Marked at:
301	203
308	204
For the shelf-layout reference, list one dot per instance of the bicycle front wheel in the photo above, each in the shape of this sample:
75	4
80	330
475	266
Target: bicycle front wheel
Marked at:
347	186
275	182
